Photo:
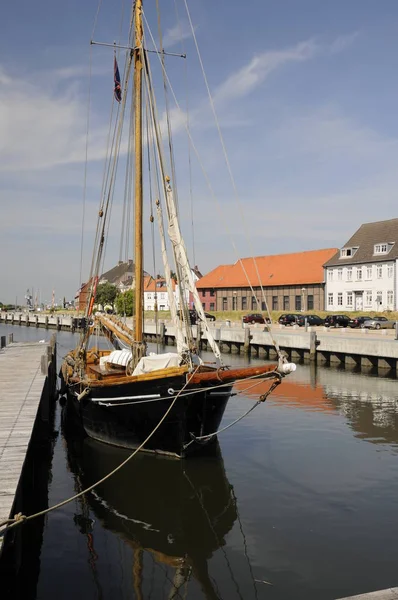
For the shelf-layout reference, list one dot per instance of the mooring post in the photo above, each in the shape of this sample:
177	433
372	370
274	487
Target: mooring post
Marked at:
27	322
396	330
313	346
2	341
306	323
162	333
10	338
19	319
246	343
46	322
37	320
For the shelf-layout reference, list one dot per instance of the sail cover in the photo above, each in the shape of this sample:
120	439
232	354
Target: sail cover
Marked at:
181	258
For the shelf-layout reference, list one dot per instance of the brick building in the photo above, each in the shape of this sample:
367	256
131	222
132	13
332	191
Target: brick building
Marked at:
291	282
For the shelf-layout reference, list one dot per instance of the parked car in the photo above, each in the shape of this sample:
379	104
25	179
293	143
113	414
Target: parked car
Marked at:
379	323
289	319
357	322
193	316
255	318
311	320
337	321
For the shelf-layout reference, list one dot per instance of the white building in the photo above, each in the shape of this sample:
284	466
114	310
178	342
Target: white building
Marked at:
156	289
362	276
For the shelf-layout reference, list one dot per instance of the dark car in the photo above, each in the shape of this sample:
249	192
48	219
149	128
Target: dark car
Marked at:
337	321
357	322
311	320
288	319
193	316
255	318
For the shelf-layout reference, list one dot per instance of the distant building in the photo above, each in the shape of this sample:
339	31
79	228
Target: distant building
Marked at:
156	290
362	275
291	282
122	275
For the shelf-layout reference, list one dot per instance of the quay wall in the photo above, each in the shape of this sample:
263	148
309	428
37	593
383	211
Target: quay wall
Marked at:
361	348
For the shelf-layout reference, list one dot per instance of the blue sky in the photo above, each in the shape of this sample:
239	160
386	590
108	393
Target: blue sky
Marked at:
306	94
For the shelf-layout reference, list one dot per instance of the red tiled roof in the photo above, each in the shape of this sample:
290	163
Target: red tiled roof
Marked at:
150	285
297	268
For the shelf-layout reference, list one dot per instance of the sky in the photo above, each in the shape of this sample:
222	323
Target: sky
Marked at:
305	95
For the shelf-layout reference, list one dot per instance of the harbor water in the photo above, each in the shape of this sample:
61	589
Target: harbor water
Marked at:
299	501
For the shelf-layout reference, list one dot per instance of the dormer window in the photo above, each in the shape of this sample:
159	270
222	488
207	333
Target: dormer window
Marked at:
383	248
348	252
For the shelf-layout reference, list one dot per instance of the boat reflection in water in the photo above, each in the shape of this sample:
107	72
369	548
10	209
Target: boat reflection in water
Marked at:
172	513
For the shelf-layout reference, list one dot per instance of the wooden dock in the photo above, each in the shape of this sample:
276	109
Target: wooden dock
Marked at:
388	594
25	374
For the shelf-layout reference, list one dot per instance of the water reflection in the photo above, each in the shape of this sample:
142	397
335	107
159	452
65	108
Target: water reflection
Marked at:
370	404
174	514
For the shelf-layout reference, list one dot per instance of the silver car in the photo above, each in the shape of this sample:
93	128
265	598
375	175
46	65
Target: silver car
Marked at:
378	323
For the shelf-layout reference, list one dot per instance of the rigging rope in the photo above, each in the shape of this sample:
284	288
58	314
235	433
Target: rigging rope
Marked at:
230	174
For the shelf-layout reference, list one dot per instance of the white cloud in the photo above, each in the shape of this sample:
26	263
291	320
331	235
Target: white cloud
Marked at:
177	34
249	77
41	129
342	42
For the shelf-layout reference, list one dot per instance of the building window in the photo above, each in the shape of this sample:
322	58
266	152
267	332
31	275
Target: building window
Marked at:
225	303
349	274
379	297
263	306
390	271
310	302
347	252
330	275
330	299
254	303
212	293
369	272
286	303
297	302
204	293
340	274
149	297
381	248
234	302
359	274
204	305
244	303
390	298
349	298
162	296
274	302
212	306
379	272
339	299
368	298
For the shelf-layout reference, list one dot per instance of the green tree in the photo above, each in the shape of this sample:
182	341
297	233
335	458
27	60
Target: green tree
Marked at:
106	293
125	303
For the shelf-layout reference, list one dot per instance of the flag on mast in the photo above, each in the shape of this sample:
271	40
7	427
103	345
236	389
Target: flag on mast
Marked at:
118	89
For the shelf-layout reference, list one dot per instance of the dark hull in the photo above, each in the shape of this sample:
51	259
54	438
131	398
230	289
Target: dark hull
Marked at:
124	415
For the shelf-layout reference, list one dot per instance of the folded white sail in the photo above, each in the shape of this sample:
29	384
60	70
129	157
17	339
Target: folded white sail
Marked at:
183	267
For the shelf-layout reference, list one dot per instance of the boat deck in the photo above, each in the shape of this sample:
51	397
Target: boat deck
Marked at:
21	386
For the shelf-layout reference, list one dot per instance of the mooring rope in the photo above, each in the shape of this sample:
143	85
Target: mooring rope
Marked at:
20	518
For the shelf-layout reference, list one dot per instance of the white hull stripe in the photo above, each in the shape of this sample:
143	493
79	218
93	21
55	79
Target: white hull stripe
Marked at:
145	397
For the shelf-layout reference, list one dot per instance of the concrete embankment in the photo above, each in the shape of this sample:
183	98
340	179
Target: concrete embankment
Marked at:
349	347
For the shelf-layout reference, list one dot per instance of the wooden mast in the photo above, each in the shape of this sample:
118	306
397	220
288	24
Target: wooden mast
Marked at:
138	194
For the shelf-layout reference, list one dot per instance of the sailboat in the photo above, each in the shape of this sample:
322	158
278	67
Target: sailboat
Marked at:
170	403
